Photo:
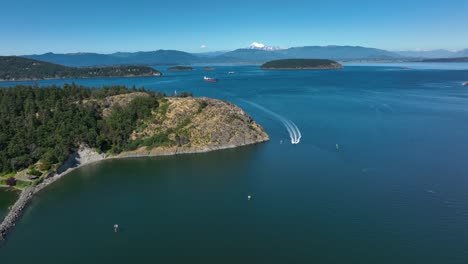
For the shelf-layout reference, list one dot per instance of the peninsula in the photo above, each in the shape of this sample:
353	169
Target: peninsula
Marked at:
180	68
53	130
14	68
301	64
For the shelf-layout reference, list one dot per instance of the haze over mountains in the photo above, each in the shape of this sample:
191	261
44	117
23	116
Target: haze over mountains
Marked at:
430	54
255	53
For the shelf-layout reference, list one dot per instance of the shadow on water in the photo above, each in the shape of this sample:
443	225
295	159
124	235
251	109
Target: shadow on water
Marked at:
7	198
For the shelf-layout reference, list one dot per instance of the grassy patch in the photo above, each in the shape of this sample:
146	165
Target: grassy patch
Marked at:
183	124
163	106
8	175
158	140
34	172
38	181
202	105
141	126
22	184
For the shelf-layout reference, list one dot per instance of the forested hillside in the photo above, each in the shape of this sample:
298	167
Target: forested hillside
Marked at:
17	68
47	124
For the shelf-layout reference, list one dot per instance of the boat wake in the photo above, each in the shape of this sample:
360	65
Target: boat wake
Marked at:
291	127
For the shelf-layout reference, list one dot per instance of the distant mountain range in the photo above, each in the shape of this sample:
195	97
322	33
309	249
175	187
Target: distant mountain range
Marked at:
255	53
432	54
119	58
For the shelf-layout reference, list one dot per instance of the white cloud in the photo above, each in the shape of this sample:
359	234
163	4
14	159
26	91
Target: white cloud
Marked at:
203	46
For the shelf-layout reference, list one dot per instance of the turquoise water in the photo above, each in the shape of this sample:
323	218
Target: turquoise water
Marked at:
395	190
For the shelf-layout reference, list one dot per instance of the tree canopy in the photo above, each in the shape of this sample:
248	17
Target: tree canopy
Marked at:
18	68
47	124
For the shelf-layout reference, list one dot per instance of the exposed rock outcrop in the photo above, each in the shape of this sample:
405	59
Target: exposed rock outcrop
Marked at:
107	104
16	211
198	125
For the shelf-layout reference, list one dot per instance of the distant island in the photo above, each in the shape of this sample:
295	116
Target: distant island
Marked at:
180	68
14	68
462	59
301	64
52	130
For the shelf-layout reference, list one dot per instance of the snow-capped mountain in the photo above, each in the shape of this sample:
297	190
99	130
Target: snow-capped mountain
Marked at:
261	46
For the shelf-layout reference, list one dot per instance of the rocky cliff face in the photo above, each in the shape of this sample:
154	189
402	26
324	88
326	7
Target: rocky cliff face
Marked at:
197	125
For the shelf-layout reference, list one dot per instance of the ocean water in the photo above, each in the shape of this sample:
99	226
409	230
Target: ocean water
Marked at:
380	175
7	198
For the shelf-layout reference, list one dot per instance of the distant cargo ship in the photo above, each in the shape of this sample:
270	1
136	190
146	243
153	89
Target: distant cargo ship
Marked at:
208	79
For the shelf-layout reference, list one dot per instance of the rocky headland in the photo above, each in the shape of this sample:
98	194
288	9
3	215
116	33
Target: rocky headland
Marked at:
178	125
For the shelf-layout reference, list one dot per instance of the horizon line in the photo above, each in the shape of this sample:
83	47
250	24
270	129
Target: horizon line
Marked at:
212	51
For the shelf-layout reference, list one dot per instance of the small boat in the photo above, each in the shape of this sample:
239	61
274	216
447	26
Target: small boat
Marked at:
231	72
465	84
208	79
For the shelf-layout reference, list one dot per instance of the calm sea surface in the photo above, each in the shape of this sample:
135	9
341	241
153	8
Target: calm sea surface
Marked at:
380	176
7	198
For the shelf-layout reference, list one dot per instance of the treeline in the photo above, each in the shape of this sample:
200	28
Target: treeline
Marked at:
18	68
300	63
47	124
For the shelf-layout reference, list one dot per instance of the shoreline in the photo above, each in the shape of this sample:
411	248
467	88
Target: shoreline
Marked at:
78	78
85	156
299	69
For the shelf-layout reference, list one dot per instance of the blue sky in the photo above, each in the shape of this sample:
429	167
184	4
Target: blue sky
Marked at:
106	26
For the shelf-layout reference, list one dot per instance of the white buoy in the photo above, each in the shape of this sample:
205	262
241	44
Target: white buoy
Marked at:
249	197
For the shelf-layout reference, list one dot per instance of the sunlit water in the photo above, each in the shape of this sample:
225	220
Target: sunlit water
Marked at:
379	175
